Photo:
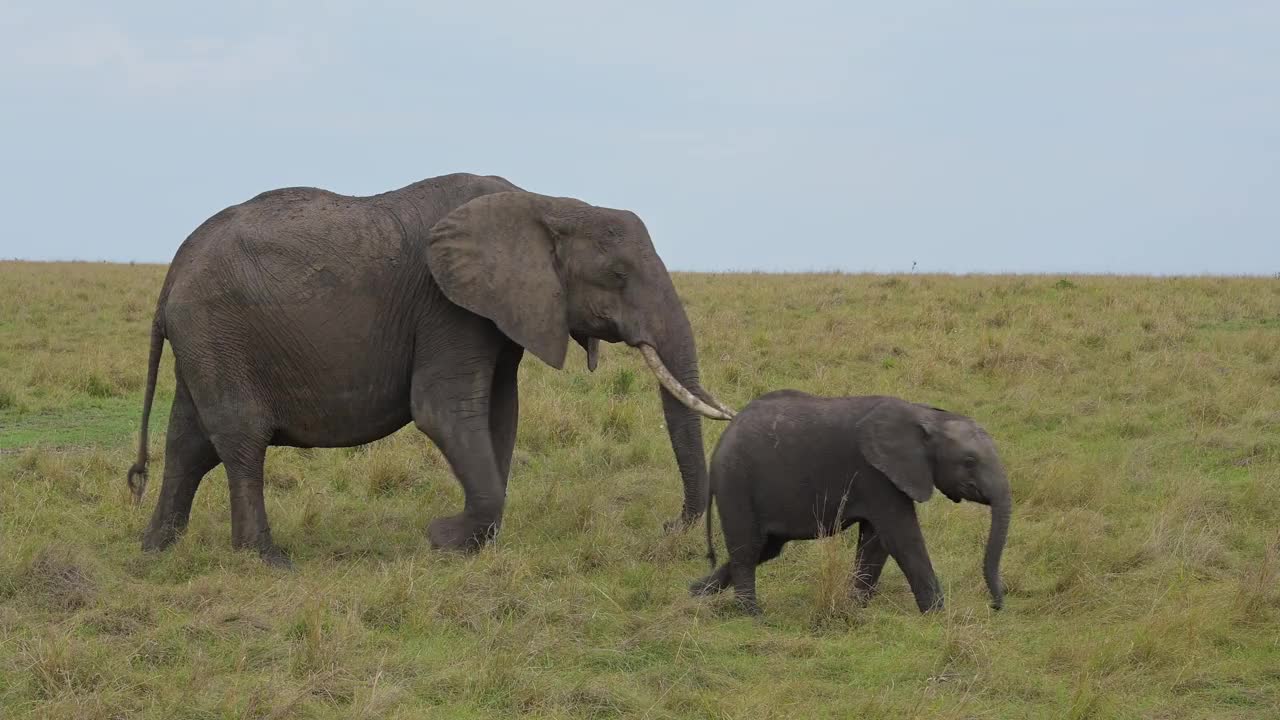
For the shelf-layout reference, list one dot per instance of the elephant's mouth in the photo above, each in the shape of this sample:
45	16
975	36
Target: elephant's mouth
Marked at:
710	408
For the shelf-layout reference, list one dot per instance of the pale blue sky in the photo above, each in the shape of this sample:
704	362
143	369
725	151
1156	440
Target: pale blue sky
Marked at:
1132	137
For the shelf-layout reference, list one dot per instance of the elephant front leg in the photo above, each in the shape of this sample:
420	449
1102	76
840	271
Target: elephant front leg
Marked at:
901	536
504	408
455	414
869	563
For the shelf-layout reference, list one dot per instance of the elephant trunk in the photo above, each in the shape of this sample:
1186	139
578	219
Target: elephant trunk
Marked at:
1001	509
674	360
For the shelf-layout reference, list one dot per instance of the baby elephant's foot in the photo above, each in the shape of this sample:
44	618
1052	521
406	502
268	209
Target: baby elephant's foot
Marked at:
711	584
749	605
460	533
860	593
274	556
931	605
680	524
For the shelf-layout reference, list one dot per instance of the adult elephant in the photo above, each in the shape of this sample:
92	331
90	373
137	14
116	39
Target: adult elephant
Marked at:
311	319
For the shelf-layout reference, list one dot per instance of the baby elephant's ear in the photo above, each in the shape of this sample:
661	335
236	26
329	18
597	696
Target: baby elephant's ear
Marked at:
894	439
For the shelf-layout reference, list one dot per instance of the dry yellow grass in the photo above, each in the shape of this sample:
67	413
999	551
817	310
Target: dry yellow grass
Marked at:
1139	419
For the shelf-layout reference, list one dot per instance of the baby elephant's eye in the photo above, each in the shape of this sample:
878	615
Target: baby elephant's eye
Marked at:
971	462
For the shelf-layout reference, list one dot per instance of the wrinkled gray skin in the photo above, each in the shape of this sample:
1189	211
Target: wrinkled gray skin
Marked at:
793	466
310	319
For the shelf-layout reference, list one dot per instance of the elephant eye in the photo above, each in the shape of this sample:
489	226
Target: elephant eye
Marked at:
970	462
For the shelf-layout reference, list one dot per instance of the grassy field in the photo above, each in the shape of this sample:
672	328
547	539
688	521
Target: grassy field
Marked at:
1139	420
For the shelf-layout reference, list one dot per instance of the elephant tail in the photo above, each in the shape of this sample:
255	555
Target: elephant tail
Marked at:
138	473
711	546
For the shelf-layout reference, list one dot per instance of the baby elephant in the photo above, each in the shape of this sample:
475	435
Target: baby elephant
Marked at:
791	465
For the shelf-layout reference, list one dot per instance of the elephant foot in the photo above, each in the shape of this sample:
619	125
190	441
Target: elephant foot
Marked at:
711	584
749	606
276	558
680	524
460	533
160	537
270	553
931	606
860	592
703	587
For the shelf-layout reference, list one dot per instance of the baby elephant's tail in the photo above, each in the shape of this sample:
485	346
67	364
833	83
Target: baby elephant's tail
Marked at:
711	546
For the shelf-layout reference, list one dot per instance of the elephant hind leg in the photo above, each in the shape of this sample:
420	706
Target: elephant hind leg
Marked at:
743	538
244	457
743	564
188	457
743	560
723	576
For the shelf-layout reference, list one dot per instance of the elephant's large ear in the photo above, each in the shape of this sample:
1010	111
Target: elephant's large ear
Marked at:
496	256
894	439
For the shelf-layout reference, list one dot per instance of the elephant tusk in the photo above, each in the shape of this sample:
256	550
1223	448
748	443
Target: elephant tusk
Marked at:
680	392
722	407
715	402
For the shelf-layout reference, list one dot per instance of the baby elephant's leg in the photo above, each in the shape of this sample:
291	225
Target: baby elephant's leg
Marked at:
901	536
745	543
743	570
869	563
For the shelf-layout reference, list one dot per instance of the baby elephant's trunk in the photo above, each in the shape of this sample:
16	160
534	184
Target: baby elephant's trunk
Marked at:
1001	509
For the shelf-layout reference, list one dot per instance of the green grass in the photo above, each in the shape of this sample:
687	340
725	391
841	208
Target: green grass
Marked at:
1139	419
87	421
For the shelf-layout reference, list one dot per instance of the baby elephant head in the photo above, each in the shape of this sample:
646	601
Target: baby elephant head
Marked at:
919	447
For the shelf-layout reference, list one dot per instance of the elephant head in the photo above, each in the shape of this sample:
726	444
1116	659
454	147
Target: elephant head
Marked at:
920	447
547	269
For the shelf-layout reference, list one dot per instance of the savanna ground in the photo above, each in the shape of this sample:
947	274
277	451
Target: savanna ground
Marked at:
1139	419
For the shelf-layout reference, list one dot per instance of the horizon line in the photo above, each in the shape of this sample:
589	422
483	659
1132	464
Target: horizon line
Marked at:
813	271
